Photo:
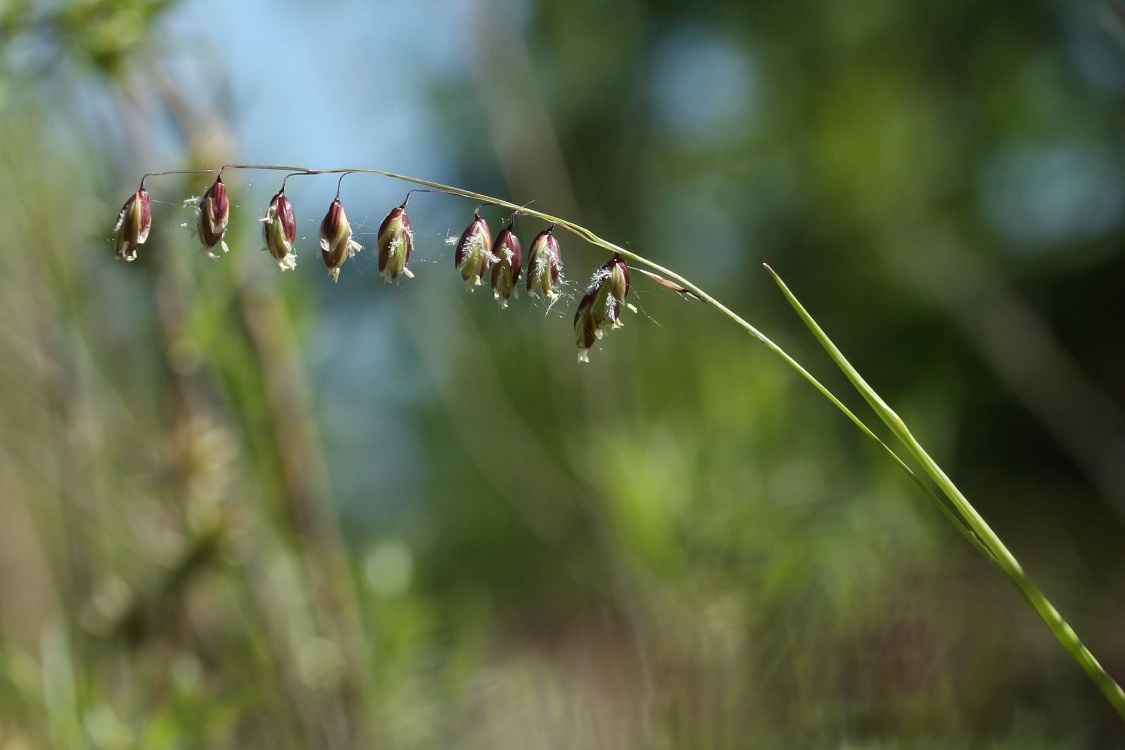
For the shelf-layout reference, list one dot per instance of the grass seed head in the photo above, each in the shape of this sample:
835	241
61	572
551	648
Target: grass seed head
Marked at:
474	252
396	242
279	229
544	264
133	224
336	243
507	261
214	213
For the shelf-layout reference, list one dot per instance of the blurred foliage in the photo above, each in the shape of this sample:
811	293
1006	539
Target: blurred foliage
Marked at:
244	509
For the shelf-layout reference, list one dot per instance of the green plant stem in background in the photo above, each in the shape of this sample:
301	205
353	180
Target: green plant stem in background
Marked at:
966	519
998	552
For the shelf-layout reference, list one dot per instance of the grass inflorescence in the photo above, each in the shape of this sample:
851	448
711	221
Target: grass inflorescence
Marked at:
478	257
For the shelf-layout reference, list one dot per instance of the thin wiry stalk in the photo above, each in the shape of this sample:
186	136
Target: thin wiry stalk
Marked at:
966	519
1001	557
687	285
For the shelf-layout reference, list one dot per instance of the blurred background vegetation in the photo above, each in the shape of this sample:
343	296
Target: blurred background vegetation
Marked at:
246	509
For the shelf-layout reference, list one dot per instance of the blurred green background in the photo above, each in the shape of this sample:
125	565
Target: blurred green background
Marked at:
246	509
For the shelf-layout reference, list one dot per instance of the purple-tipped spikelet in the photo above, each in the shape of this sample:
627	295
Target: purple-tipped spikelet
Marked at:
396	241
507	259
336	243
133	224
214	213
544	264
585	328
602	304
474	253
279	229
